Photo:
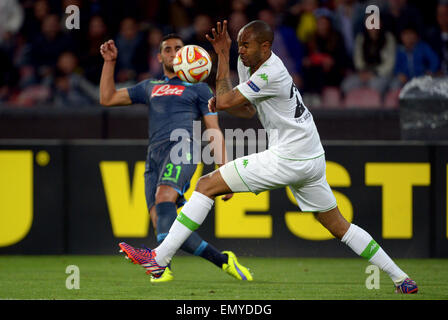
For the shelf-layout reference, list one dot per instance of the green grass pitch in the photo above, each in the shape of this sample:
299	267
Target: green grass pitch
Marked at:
112	277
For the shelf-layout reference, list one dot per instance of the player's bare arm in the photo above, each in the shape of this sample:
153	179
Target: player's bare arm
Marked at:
218	143
246	110
216	139
226	96
109	95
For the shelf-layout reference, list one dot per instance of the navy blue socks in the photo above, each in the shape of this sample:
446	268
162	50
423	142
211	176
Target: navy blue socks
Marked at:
166	215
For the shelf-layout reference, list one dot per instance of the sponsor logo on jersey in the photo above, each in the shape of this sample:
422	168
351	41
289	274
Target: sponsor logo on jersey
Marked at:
253	86
167	90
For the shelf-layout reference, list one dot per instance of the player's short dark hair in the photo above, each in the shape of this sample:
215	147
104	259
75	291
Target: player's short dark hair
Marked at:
169	36
261	30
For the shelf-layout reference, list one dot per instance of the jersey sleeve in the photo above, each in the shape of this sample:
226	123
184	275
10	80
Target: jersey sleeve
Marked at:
139	92
242	75
264	83
204	94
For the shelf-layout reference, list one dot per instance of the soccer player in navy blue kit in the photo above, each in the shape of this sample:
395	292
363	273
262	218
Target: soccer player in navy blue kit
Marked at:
172	104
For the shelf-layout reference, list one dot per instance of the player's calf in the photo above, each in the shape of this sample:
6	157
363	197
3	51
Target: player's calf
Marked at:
334	222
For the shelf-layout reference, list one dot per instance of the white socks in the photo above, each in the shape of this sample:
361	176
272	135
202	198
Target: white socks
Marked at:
362	244
189	219
197	208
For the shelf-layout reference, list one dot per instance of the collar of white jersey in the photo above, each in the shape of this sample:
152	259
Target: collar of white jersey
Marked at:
270	60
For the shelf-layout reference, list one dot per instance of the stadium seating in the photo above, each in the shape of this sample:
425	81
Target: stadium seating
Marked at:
391	99
362	98
331	98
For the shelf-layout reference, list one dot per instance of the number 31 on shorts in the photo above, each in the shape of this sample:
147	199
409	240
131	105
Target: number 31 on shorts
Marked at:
171	170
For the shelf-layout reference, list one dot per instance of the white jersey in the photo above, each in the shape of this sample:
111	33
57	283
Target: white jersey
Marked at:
291	131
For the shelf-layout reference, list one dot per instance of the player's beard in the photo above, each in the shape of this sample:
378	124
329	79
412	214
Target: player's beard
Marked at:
169	67
252	61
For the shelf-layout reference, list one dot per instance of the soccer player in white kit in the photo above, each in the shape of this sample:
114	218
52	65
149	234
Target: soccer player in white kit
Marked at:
295	157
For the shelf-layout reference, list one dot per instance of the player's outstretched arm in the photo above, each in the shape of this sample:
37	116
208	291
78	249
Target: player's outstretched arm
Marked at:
109	95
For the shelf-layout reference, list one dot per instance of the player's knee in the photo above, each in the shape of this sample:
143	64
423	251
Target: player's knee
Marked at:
163	197
165	194
204	186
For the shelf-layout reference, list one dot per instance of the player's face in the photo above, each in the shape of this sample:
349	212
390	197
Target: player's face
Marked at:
249	49
168	52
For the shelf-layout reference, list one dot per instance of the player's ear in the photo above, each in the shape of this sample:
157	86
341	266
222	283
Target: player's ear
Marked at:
266	46
159	57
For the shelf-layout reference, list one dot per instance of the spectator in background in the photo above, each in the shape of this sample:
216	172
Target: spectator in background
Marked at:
414	58
153	68
90	57
349	17
11	19
248	7
306	26
202	25
34	16
47	47
9	76
181	14
94	7
397	14
237	20
438	36
130	43
285	45
374	61
35	13
239	6
280	10
71	89
326	60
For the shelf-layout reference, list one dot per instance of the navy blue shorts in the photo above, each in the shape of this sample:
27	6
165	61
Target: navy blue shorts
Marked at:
161	170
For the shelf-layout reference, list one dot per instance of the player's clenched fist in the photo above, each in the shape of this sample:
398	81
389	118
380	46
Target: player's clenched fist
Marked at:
109	51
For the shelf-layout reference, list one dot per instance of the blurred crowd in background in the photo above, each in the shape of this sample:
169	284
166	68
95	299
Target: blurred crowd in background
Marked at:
334	60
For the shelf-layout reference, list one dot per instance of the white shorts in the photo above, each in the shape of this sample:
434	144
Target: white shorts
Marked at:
262	171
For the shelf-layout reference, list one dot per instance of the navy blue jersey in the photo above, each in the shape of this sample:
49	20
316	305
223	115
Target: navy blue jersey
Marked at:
173	104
